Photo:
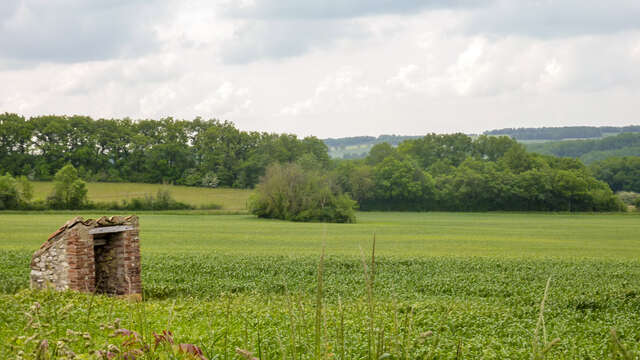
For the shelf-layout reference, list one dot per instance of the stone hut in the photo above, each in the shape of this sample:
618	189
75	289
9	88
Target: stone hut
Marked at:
101	256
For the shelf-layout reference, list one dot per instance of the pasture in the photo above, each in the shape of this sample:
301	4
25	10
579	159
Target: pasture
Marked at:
229	199
446	285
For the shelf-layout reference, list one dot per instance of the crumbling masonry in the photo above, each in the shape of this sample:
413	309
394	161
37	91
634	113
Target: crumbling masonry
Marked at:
101	256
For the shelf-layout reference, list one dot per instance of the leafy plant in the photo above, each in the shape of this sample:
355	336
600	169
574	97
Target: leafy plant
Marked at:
289	192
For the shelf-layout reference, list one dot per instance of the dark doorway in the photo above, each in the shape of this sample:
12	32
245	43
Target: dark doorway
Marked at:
107	250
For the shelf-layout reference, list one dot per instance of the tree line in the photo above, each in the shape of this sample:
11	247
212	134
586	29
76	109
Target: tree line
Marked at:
195	153
626	144
621	173
458	173
436	172
565	132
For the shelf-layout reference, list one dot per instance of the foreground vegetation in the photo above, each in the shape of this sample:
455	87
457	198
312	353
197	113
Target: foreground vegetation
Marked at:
444	284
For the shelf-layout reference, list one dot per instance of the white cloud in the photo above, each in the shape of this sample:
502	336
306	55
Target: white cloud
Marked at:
225	101
308	68
153	104
335	93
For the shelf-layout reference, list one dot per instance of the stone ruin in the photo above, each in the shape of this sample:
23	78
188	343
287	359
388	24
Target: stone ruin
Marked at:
101	256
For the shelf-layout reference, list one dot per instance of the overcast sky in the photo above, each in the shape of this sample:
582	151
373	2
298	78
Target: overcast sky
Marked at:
329	68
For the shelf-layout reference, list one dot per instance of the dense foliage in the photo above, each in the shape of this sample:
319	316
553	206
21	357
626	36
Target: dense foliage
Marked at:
627	144
435	172
454	172
14	193
291	192
198	153
69	191
565	132
620	173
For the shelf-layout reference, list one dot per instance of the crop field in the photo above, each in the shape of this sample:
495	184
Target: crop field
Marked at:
228	199
441	285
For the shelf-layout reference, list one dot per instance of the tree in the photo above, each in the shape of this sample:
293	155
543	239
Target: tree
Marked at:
402	185
379	152
26	189
289	192
517	159
621	173
69	191
9	195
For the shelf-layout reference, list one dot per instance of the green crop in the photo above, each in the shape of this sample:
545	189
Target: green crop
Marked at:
440	286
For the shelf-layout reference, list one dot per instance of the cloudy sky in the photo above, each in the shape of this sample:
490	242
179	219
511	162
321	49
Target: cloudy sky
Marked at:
328	68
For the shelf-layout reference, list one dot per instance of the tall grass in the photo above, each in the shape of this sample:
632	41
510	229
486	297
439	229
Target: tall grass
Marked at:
402	340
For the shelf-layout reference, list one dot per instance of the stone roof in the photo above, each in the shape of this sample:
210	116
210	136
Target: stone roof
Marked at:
90	223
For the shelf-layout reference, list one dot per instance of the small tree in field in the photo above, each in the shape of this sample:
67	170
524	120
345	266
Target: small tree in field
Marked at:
289	192
69	191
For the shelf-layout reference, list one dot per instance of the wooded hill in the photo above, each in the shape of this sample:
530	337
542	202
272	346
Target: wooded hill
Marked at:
358	147
562	133
590	151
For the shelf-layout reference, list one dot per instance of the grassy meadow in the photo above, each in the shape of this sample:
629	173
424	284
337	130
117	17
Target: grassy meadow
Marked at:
228	199
443	285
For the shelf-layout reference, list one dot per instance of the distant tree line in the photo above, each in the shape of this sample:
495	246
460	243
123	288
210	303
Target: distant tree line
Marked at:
435	172
364	140
195	153
457	173
621	173
560	133
626	144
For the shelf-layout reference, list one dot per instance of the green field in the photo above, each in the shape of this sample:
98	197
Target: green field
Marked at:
229	199
443	282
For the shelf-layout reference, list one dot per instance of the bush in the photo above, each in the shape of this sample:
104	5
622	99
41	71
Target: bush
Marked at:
161	201
629	197
289	192
9	196
69	191
15	193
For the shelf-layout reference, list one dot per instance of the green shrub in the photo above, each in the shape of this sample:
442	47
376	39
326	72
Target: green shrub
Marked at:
9	196
161	201
15	193
69	191
628	197
289	192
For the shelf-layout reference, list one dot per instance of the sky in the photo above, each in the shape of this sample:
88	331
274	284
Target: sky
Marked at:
329	68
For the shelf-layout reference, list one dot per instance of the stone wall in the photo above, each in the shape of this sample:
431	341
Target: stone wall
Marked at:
49	267
73	259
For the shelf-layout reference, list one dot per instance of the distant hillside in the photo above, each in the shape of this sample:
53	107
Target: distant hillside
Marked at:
589	151
562	133
358	146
